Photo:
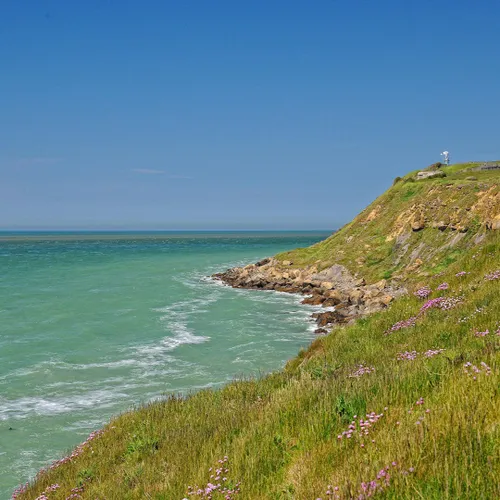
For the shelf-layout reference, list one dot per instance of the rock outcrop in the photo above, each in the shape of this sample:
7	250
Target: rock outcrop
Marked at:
412	231
344	296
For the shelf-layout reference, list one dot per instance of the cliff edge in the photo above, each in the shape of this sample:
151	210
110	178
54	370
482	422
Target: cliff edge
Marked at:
402	403
414	230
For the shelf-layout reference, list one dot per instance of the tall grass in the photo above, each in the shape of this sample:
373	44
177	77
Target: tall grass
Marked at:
430	420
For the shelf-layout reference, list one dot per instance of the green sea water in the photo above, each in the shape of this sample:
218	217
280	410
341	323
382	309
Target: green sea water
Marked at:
93	324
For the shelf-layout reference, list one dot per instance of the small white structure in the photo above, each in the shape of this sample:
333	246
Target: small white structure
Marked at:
446	157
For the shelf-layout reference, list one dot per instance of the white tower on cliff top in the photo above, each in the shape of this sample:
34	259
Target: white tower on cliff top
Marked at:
446	157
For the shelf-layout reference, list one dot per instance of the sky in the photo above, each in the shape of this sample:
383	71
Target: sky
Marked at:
261	114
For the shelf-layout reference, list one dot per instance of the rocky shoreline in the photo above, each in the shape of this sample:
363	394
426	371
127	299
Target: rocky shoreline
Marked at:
347	297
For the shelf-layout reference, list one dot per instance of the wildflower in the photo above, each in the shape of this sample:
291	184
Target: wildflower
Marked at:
433	352
473	370
423	293
210	488
481	334
486	368
461	273
364	426
430	304
443	286
450	302
407	355
403	324
362	370
493	276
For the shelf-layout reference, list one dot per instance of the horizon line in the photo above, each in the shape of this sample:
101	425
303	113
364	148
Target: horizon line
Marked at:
117	230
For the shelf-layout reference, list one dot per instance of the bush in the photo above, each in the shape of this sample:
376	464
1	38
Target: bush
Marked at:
435	166
396	180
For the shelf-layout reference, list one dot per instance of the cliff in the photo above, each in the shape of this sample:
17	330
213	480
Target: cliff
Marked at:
416	229
402	402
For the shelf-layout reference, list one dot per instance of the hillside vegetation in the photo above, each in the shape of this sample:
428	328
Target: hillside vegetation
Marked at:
402	404
416	227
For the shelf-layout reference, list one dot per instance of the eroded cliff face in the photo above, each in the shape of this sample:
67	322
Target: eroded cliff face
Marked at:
451	207
412	231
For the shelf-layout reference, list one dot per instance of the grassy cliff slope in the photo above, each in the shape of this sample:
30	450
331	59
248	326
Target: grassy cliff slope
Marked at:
416	227
402	404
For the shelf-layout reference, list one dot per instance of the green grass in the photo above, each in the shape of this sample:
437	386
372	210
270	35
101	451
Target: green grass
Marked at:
280	432
381	238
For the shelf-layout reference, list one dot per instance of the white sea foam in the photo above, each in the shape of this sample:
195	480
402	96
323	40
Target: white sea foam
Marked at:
239	346
168	344
240	360
54	365
33	405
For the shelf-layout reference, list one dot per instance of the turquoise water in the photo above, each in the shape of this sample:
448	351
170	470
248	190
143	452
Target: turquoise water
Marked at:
94	324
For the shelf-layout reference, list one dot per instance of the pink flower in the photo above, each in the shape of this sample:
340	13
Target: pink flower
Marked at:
430	304
423	293
362	370
481	334
493	276
407	356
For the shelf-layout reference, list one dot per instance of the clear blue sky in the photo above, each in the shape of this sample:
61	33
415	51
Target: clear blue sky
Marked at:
235	114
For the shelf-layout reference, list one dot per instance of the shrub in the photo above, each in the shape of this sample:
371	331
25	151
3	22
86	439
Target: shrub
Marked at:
435	166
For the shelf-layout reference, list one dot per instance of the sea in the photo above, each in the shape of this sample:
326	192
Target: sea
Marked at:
95	324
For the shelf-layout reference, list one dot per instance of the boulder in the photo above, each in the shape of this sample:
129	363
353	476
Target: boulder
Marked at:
386	299
314	300
418	222
321	331
335	295
263	262
429	175
372	292
330	302
356	296
328	318
373	307
415	265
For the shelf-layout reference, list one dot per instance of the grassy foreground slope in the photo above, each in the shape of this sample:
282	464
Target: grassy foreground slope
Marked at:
402	404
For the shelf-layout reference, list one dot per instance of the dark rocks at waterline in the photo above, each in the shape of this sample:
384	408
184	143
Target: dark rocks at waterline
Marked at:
347	297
